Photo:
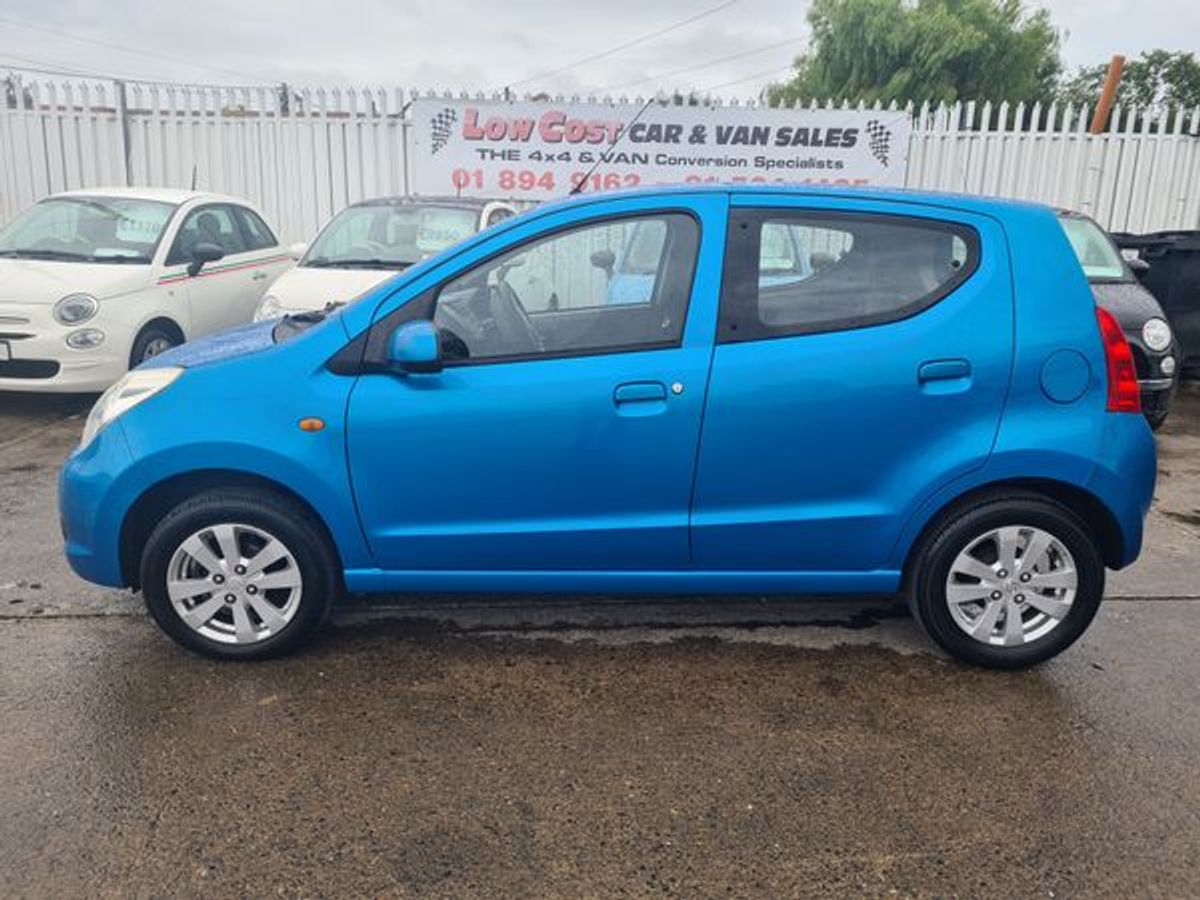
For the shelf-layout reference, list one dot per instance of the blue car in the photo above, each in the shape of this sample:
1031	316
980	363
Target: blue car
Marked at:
931	405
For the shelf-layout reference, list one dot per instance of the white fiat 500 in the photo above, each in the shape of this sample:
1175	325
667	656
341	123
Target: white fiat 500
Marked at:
94	282
369	242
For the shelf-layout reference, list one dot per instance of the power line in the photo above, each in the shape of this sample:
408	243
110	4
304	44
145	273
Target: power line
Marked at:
170	57
614	50
50	67
725	84
703	65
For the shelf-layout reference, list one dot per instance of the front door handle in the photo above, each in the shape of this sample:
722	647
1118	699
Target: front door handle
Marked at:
259	276
640	392
943	370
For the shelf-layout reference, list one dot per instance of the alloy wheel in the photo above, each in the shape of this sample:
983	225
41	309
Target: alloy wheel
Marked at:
1011	585
155	346
234	583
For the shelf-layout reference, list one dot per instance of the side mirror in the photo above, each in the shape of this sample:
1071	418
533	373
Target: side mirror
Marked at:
296	250
606	260
204	253
414	347
1138	266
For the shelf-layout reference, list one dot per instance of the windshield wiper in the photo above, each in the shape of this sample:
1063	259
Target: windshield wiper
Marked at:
68	256
140	260
373	263
46	254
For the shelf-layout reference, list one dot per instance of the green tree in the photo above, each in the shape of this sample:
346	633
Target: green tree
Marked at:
1156	77
936	50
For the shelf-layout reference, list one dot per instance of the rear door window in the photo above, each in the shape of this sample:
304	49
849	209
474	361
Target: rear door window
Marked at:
802	272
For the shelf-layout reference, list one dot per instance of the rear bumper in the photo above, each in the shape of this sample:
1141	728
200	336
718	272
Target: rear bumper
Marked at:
1124	477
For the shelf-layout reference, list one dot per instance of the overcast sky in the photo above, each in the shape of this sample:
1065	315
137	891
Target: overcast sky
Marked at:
465	45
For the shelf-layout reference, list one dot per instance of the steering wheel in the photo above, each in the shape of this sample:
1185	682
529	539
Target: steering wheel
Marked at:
512	321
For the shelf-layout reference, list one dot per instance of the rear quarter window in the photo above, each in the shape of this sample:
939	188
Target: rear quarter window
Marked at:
792	272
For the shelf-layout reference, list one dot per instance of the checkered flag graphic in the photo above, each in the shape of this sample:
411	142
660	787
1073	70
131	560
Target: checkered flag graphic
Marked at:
441	126
879	139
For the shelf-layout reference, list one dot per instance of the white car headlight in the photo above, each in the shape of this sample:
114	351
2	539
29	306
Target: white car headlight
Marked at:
75	308
138	386
1157	334
270	308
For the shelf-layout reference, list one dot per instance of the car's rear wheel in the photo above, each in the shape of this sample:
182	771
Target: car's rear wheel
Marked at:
1007	581
239	574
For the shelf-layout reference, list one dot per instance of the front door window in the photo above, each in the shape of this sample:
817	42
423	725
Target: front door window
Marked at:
562	295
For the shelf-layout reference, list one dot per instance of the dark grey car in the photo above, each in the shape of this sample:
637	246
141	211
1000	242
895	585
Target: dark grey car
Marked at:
1117	289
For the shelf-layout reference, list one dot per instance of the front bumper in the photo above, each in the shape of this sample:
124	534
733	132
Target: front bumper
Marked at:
91	507
44	363
1156	395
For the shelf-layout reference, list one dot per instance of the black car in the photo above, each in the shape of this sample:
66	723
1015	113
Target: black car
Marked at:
1117	289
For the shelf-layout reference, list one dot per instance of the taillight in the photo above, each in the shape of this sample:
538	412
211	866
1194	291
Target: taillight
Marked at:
1124	395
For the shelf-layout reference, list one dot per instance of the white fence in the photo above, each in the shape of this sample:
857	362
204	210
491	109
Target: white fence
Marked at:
303	155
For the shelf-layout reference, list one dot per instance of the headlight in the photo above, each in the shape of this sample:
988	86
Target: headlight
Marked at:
75	308
270	308
85	338
1156	334
136	387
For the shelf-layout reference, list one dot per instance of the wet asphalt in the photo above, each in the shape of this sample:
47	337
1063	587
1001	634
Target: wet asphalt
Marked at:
561	747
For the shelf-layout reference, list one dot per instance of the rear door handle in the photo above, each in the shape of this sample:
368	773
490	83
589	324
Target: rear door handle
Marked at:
259	276
640	392
943	370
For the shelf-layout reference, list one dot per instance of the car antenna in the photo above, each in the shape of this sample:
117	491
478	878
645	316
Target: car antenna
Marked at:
588	174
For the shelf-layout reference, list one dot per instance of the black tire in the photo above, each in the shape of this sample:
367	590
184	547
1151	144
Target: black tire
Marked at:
280	517
956	529
149	338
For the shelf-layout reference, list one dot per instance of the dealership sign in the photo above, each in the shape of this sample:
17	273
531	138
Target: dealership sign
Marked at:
538	150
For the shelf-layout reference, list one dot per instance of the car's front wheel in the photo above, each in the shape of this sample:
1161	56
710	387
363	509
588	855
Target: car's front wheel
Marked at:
151	341
239	574
1007	581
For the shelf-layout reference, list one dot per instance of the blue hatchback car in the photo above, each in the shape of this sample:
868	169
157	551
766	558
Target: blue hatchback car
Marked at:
929	404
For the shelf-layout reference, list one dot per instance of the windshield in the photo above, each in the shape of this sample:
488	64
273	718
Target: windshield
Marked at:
87	229
1097	255
387	236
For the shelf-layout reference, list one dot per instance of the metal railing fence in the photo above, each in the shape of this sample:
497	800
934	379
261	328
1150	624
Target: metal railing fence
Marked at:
303	154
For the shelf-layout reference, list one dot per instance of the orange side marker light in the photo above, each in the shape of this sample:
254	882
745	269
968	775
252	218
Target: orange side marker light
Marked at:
312	423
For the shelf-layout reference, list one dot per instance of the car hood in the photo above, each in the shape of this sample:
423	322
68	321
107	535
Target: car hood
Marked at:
240	341
306	288
1128	301
44	282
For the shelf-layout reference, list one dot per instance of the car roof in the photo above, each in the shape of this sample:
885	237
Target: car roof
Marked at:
965	202
174	196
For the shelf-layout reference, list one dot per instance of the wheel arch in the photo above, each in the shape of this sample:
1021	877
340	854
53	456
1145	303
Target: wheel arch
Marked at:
161	321
1097	518
145	512
164	322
